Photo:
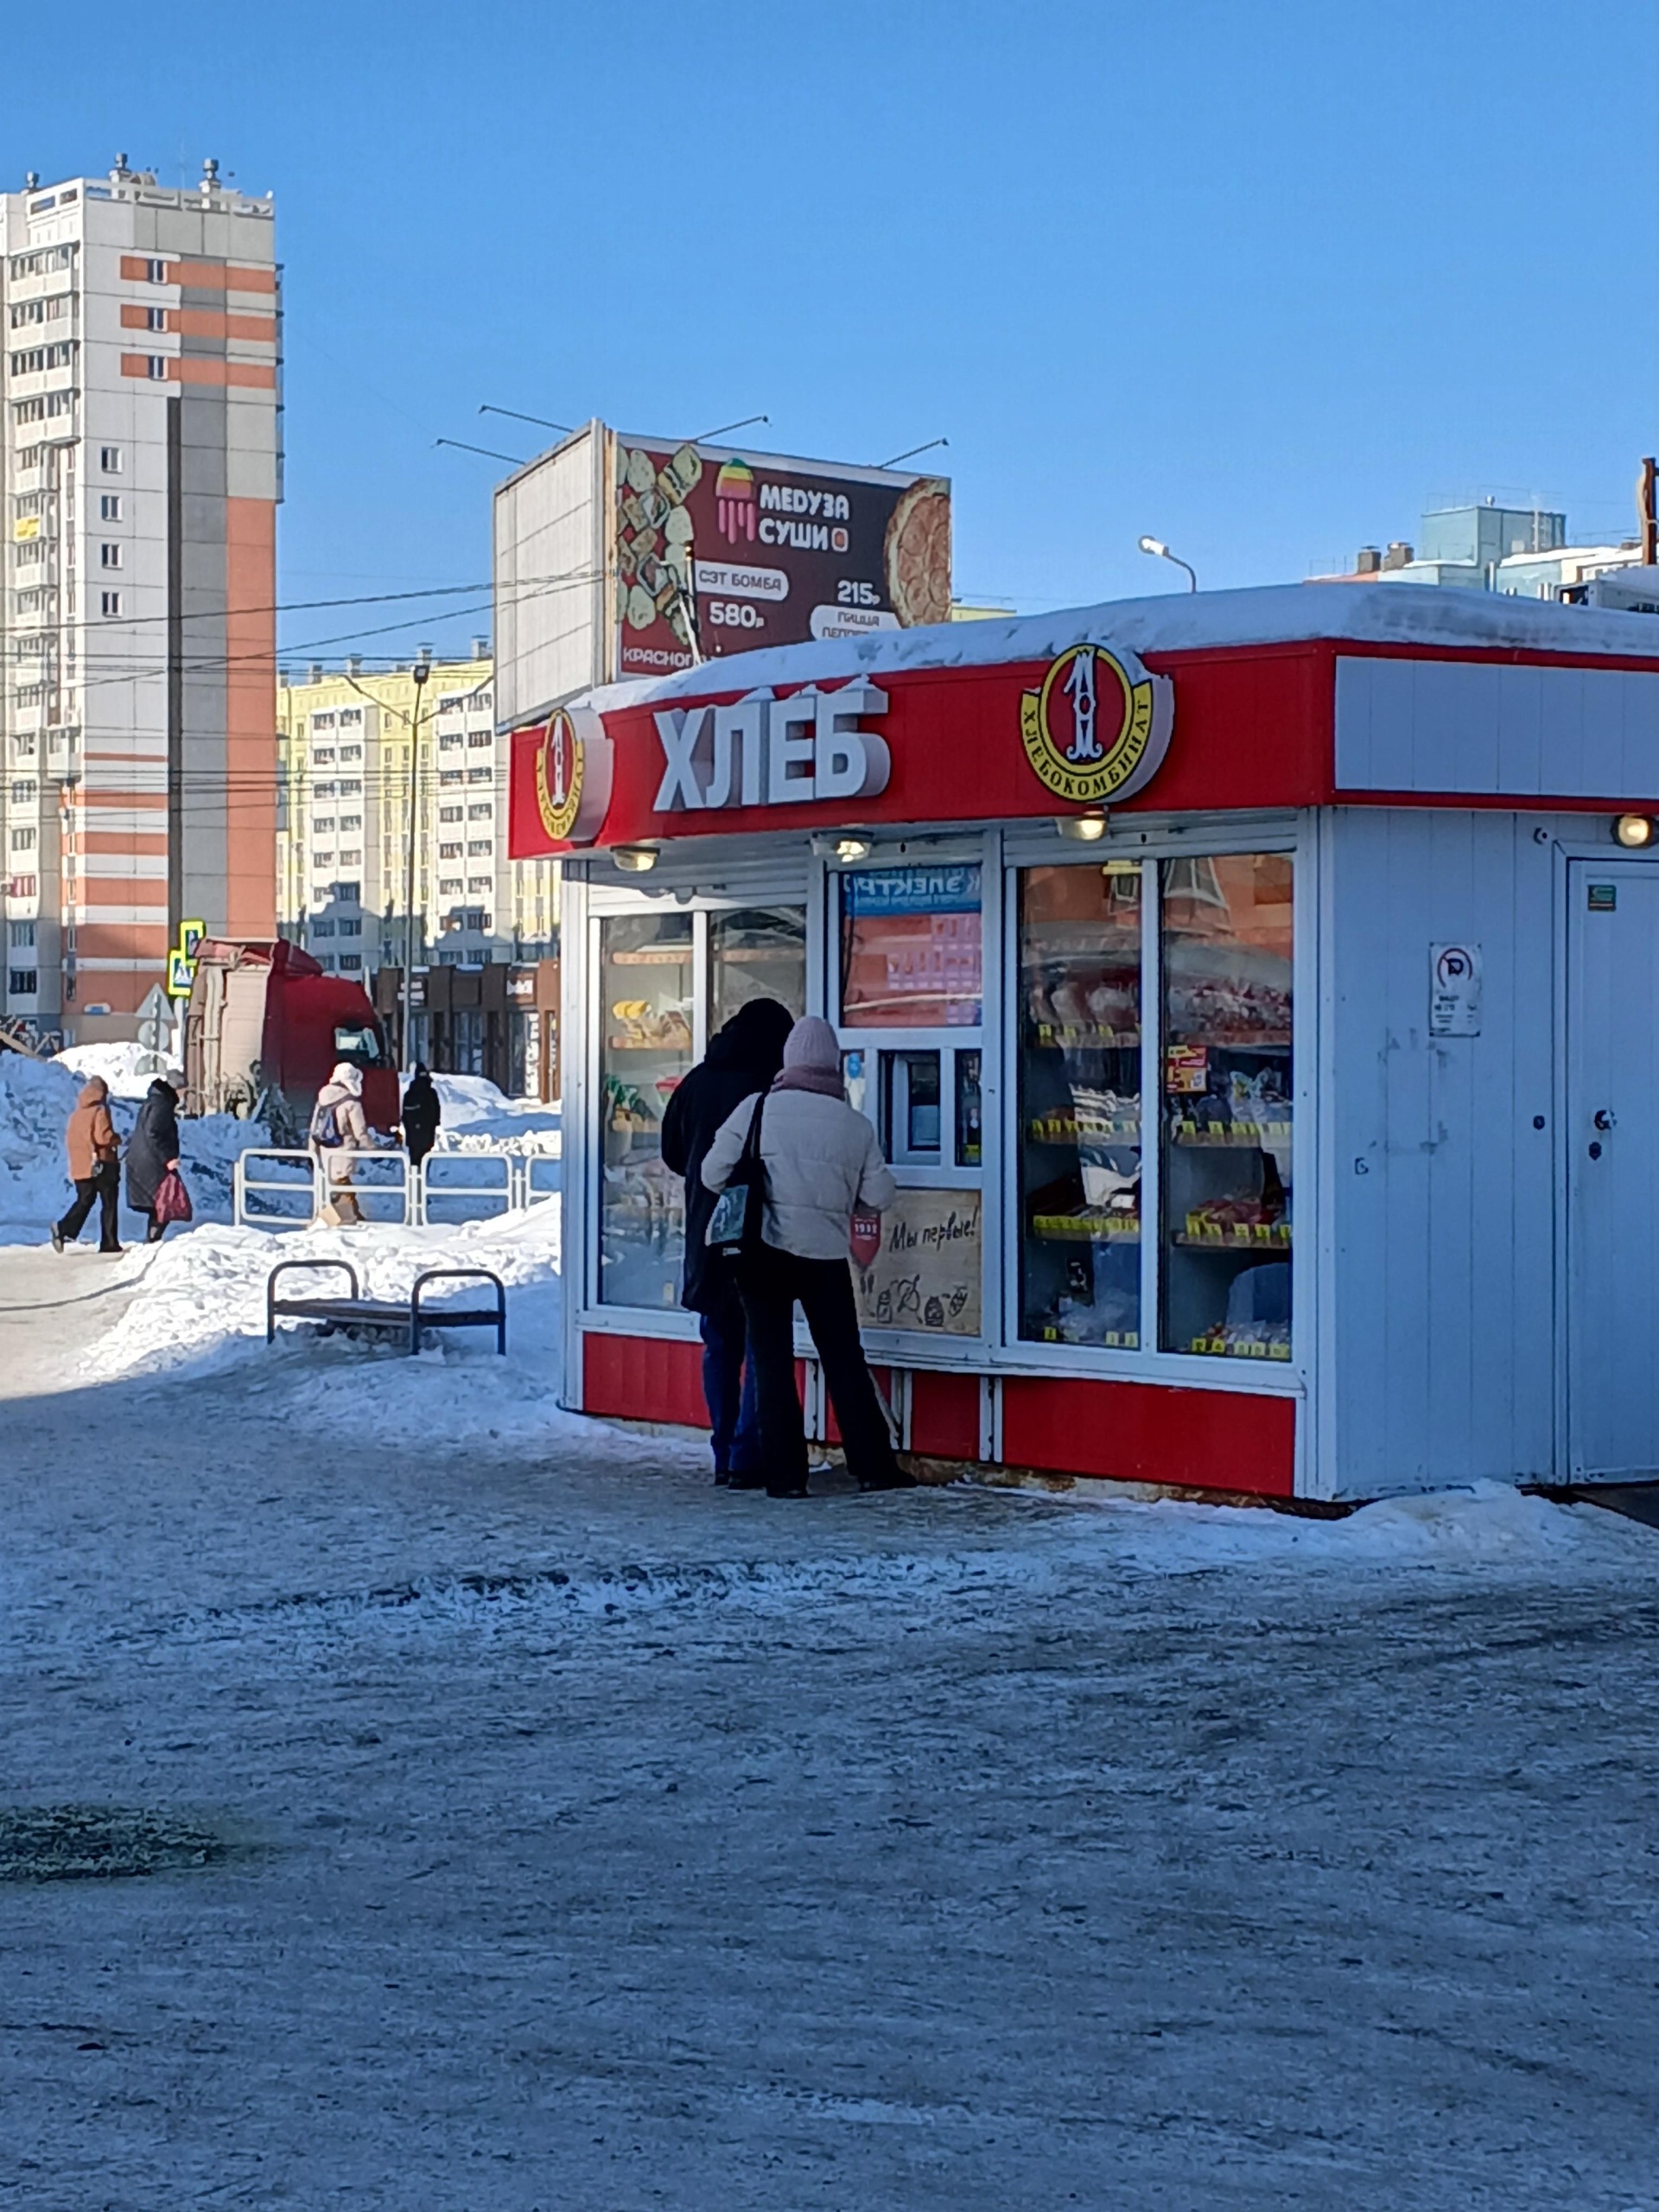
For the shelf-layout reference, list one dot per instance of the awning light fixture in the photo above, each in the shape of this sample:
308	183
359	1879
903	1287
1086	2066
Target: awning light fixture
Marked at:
635	859
1634	830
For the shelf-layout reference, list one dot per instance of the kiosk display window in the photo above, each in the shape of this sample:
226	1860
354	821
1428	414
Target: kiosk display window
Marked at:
911	948
756	952
647	993
1079	1104
1226	1166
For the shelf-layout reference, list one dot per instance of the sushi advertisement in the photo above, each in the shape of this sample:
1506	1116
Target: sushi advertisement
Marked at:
719	552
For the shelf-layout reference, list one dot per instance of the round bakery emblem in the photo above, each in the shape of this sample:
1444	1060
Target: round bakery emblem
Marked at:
558	776
573	776
1099	726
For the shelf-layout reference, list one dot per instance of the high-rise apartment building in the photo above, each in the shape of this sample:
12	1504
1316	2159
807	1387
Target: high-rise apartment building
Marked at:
139	470
343	841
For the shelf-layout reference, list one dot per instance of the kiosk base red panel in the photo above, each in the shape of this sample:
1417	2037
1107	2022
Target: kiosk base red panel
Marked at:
1148	1433
943	1415
643	1378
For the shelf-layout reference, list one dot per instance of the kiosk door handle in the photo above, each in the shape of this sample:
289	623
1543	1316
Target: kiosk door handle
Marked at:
1603	1118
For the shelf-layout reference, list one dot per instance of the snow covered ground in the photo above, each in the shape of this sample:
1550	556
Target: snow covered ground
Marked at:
600	1839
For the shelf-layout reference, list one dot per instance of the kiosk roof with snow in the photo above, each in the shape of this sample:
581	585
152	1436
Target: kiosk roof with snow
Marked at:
1249	989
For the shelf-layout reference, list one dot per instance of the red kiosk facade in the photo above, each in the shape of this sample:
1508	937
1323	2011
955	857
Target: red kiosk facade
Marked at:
1207	966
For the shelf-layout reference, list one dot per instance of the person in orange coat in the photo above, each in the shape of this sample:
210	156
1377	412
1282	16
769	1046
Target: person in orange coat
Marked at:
94	1168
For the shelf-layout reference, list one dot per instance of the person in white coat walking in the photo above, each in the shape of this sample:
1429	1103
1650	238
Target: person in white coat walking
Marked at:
822	1162
339	1128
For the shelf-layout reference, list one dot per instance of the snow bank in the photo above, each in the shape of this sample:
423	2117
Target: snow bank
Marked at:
201	1306
477	1115
36	1098
128	1068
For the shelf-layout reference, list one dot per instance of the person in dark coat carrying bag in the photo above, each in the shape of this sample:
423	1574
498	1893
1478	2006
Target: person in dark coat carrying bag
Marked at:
153	1151
815	1160
743	1058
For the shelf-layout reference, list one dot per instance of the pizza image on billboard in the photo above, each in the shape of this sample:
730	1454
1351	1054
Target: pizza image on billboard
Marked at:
719	552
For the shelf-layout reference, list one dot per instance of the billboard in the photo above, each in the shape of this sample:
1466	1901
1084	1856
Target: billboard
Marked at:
719	552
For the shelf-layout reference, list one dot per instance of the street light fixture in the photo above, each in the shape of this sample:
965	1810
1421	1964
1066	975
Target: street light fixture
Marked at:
1160	552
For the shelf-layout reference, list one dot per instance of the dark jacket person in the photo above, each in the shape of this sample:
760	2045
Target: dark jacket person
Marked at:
152	1148
421	1114
743	1058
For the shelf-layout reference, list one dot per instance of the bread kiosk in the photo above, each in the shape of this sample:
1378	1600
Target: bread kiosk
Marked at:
1254	993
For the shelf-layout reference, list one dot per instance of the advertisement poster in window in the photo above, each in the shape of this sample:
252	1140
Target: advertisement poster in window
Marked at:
724	552
925	1275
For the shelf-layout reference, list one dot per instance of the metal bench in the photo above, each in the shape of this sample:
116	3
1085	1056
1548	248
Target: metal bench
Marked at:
381	1316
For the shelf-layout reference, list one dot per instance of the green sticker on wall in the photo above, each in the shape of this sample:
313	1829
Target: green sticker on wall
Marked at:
1603	898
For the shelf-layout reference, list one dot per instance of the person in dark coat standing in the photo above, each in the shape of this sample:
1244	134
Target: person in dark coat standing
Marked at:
153	1151
422	1114
743	1058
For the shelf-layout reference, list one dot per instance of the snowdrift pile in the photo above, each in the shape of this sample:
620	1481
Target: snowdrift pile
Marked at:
36	1098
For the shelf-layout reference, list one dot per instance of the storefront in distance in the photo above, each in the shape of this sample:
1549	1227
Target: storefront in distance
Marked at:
1250	993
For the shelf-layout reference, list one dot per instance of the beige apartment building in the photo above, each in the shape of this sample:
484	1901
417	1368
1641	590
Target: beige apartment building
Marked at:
140	471
343	834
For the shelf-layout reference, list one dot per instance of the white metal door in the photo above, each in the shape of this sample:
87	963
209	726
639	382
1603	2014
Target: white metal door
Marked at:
1612	1190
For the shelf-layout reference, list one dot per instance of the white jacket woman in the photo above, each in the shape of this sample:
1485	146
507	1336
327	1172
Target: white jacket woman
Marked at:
822	1158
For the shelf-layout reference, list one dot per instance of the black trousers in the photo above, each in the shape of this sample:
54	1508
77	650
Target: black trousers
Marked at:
102	1188
770	1284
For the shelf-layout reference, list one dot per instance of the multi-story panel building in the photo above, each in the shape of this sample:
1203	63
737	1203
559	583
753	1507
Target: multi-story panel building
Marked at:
140	471
343	839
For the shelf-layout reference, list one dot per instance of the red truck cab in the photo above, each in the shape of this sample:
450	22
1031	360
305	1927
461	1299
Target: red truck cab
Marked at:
267	1016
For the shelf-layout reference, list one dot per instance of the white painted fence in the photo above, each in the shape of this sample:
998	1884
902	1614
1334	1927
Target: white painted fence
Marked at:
278	1188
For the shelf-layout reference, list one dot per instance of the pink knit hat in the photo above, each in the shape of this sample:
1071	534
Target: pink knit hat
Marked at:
812	1044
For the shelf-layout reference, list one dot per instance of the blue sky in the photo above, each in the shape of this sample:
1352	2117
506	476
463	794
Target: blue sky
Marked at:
1259	276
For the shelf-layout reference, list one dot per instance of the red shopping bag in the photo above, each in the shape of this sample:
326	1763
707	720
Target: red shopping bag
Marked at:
172	1199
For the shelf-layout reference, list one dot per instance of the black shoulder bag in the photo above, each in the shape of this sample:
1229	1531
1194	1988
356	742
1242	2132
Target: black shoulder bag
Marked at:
736	1224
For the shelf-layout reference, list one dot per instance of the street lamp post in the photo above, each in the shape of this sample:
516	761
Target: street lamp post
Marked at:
421	671
1160	552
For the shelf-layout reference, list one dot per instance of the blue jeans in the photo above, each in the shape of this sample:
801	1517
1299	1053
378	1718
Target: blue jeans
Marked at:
728	1386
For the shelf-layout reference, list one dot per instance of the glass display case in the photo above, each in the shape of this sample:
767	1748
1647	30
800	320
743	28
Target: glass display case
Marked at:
646	997
756	952
1079	1104
911	948
1225	1164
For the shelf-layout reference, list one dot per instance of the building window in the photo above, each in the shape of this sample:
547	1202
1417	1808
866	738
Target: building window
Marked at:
481	810
109	556
109	460
323	826
323	928
155	368
23	983
350	960
479	737
25	794
351	787
449	775
450	852
111	601
481	775
350	715
449	813
449	887
109	508
479	849
449	742
323	722
22	936
322	756
350	929
155	272
480	883
23	841
155	318
351	821
351	751
347	894
347	858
